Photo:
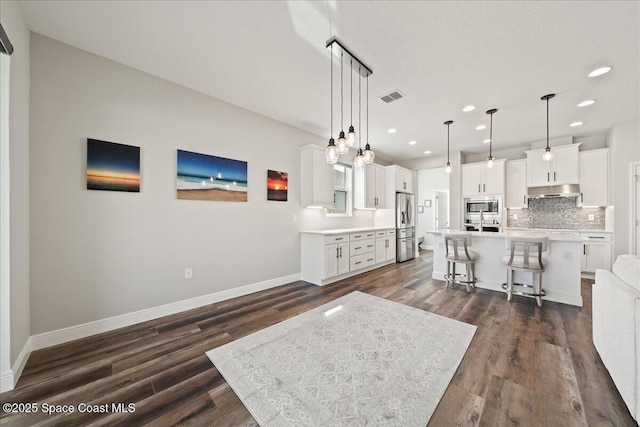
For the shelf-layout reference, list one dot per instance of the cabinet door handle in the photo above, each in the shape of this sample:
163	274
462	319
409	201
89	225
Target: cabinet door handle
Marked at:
369	246
359	247
338	238
478	188
369	259
584	249
524	199
595	237
582	197
548	179
554	176
484	188
358	262
337	252
340	252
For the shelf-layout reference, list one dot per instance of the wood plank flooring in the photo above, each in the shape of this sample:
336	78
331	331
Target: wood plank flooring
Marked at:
526	366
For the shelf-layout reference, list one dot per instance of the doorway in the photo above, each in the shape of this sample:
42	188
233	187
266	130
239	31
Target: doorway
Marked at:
441	220
433	201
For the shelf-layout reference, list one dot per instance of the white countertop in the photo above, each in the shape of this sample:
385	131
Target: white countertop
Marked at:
553	236
345	230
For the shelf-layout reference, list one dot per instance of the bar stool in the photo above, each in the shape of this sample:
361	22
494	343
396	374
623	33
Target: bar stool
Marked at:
526	255
456	252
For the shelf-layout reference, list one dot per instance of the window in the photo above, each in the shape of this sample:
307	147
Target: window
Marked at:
342	184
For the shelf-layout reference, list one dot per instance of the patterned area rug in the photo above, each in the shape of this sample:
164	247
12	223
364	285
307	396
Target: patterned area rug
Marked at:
358	360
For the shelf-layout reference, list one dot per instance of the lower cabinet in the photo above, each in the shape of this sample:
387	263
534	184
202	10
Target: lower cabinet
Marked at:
596	252
327	258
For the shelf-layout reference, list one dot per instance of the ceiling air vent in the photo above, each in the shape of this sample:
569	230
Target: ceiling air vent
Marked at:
393	96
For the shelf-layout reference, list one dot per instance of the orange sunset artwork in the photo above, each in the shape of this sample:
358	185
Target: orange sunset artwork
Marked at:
277	185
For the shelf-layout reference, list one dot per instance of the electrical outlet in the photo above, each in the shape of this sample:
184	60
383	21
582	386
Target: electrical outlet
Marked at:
188	273
566	255
592	217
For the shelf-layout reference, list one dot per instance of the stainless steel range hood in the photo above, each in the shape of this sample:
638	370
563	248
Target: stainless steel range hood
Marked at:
567	190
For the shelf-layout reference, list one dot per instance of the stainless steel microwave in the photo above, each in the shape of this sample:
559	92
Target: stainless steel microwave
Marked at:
475	206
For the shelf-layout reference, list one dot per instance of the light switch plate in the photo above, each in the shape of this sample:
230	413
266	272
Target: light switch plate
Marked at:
592	217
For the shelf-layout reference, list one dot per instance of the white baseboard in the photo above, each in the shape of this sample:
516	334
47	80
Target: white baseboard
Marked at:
48	339
9	379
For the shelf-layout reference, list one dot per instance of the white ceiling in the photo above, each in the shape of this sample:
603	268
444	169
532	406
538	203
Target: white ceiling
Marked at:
269	57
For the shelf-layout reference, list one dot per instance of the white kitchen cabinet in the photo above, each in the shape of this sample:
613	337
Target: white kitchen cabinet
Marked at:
516	184
391	245
563	168
369	187
381	246
478	179
594	177
316	183
596	252
336	256
398	180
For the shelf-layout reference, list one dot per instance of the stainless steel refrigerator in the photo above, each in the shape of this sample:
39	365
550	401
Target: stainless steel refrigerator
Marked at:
405	227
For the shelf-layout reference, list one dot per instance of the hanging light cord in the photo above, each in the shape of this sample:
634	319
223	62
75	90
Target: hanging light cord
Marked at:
351	90
547	122
331	107
341	93
359	110
448	143
367	109
490	134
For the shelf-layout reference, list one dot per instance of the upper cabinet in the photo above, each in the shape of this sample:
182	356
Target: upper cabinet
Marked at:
316	178
398	180
516	191
369	187
594	177
563	168
478	179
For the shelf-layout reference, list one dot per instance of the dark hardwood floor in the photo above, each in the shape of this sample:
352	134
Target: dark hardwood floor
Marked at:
525	366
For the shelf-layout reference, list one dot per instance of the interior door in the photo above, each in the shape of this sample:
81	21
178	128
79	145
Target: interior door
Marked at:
442	209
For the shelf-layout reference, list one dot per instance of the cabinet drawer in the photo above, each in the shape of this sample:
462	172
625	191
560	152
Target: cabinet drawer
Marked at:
362	261
381	233
391	233
596	237
361	247
361	236
341	238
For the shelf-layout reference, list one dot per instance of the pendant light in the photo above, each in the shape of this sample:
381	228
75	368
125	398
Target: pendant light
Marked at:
358	161
447	168
351	136
369	155
332	151
490	159
342	144
548	155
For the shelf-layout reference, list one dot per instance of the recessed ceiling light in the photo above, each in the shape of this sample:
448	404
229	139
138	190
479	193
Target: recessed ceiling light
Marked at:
574	124
427	152
587	102
599	71
392	130
486	141
468	108
480	127
412	142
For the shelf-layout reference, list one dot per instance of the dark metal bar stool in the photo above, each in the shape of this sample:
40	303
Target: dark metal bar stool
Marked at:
526	255
456	252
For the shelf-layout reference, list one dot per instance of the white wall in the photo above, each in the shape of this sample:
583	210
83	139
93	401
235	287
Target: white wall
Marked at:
455	180
18	33
428	181
97	254
623	139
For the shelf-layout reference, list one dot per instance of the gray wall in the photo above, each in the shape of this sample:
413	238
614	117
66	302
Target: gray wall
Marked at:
624	141
16	28
97	254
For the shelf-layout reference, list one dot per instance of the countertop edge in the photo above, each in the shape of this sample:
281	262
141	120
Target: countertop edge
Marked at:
346	230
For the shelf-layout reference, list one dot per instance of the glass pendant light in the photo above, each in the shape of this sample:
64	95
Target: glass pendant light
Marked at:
447	168
331	153
342	144
548	155
369	155
358	161
351	136
490	159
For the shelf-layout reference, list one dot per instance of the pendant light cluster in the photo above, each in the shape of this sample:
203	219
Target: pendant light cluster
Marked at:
351	139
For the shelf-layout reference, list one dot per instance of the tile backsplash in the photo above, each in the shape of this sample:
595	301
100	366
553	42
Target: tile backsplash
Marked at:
556	212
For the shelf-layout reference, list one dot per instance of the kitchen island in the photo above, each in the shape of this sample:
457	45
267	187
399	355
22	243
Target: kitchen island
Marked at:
560	280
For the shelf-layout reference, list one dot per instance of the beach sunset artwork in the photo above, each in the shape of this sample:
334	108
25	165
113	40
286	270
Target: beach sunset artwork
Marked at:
205	177
112	167
277	185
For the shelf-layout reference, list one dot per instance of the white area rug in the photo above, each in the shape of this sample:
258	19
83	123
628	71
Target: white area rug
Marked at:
369	362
